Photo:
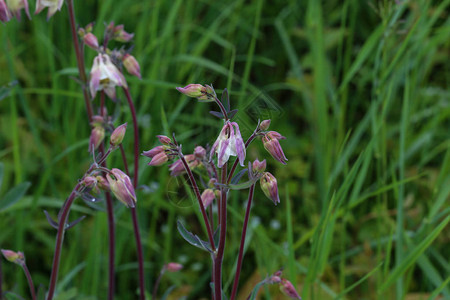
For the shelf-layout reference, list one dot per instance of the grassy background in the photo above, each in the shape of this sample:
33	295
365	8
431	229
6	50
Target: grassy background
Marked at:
359	88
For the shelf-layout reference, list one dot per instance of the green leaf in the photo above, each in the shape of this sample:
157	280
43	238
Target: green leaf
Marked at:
256	289
192	238
14	195
167	292
2	168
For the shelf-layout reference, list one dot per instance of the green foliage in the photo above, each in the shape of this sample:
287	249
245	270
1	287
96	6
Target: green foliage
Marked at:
359	88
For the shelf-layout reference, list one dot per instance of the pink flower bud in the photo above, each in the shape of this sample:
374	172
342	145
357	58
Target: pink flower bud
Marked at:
53	6
199	152
269	186
264	125
5	14
102	183
164	139
121	35
207	197
91	41
117	135
120	185
96	138
130	63
259	167
173	267
272	145
288	289
202	93
212	182
154	151
14	257
177	168
89	181
15	6
229	143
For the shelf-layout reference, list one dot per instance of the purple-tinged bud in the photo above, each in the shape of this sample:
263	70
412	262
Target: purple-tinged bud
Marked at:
96	138
154	151
120	185
173	267
53	6
212	182
130	63
91	41
159	159
272	145
102	183
117	135
288	289
229	143
259	166
164	139
264	125
199	152
269	186
177	168
207	197
15	6
105	76
121	35
202	93
274	279
89	182
14	257
5	14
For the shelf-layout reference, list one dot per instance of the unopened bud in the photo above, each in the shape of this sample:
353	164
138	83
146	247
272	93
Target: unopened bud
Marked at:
269	186
96	138
130	63
199	152
5	14
117	135
259	166
91	41
89	181
264	125
120	185
173	267
121	35
202	93
14	257
164	139
207	197
288	289
102	183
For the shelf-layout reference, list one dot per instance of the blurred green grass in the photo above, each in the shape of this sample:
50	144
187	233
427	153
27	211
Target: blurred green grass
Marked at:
360	90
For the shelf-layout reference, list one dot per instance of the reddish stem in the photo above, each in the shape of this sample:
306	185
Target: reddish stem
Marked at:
250	139
30	281
136	135
241	247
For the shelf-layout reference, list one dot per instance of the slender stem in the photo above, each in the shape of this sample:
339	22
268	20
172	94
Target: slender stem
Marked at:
30	281
250	139
223	230
158	280
59	241
136	135
222	108
80	59
135	182
125	165
199	198
1	281
241	247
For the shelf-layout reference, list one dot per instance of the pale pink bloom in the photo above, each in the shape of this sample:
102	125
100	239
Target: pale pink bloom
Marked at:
53	6
5	14
120	185
105	76
15	6
229	143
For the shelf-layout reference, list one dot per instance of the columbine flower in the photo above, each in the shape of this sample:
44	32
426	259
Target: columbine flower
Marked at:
158	155
131	65
269	186
105	76
120	35
229	143
272	145
5	15
90	40
120	185
53	6
202	93
259	166
15	6
288	289
118	135
200	152
264	125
